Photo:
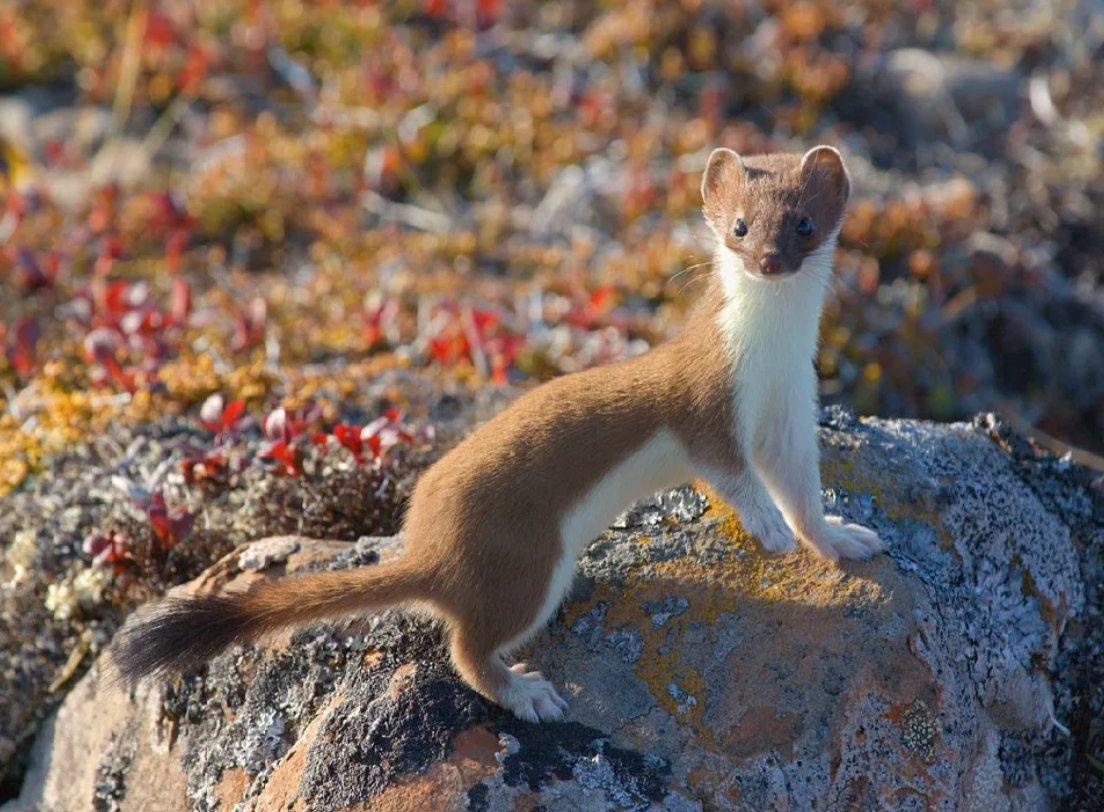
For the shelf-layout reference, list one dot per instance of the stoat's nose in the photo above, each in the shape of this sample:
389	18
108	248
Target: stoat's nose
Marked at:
770	263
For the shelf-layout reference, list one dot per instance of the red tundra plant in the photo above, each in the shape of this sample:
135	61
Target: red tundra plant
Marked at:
477	336
249	324
220	417
20	346
102	347
108	548
169	527
587	310
284	429
206	467
371	441
286	426
128	335
288	455
380	322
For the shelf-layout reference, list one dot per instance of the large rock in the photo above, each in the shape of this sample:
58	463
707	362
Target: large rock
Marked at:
701	673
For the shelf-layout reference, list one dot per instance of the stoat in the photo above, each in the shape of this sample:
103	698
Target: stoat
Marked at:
494	529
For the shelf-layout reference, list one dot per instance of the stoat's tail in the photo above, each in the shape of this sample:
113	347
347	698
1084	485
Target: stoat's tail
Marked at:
180	634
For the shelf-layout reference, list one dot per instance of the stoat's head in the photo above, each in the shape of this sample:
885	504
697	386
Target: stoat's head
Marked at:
771	212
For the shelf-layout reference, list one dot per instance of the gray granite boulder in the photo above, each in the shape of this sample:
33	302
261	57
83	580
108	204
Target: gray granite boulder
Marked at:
701	673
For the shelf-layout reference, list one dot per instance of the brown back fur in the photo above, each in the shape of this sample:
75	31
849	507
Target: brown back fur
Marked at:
482	533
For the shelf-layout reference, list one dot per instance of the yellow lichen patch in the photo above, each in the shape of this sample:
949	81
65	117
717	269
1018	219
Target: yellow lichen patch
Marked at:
798	592
919	730
191	377
800	577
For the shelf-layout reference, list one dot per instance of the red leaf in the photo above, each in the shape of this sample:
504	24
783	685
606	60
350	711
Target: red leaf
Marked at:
286	455
107	548
181	304
218	416
275	425
174	249
350	437
499	366
209	466
249	325
21	352
232	412
195	69
159	519
283	425
102	346
110	250
169	529
159	31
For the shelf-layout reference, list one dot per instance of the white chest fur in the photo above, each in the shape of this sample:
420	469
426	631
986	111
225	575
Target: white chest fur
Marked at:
770	328
660	463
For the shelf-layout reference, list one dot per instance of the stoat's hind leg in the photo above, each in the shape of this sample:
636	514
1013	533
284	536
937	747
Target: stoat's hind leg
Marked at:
533	698
526	693
511	604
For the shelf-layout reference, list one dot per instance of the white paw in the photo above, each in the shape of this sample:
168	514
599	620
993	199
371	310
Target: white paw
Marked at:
531	697
838	540
767	525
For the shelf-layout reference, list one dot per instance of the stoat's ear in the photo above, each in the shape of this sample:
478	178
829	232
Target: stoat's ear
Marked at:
823	167
724	175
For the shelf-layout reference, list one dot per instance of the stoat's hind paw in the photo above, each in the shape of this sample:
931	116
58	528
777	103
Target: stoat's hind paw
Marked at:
531	697
839	540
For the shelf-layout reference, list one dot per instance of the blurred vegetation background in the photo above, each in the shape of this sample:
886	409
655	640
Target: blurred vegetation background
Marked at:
236	196
261	261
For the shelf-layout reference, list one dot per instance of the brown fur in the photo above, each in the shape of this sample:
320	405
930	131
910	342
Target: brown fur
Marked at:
771	194
482	529
482	532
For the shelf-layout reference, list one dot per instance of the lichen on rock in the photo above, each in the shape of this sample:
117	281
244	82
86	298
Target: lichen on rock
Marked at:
700	672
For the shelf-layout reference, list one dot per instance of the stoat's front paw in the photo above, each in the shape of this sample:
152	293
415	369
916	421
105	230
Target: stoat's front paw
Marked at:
836	540
770	528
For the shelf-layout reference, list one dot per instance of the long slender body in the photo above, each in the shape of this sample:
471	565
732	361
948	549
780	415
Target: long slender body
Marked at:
495	528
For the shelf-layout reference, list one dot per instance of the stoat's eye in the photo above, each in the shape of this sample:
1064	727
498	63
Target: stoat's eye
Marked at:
741	228
805	227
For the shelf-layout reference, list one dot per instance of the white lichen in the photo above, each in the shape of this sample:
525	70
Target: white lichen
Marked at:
22	555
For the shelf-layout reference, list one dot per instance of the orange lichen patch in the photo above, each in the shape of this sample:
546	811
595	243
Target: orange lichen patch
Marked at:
705	782
444	786
282	788
401	680
479	746
232	786
763	728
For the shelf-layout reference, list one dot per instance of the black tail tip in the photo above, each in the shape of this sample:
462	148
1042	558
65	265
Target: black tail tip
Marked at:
178	635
